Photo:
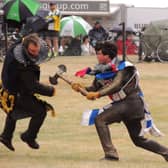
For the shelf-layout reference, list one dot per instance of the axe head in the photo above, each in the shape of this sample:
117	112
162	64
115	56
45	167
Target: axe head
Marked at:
54	79
62	68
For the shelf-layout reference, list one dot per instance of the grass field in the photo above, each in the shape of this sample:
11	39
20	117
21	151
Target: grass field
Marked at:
67	144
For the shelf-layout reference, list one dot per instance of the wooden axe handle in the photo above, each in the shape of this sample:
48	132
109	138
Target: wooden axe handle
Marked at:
65	79
81	90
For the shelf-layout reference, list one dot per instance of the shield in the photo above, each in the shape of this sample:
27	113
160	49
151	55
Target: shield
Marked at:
19	10
74	26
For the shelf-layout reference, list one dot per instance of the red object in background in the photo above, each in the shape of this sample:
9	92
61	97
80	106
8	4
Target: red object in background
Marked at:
131	48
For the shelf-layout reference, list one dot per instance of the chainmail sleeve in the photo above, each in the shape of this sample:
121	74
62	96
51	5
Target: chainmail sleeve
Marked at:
124	79
114	86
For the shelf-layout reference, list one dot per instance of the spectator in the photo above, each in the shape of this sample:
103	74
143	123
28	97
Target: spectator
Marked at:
97	34
52	34
87	49
16	36
74	48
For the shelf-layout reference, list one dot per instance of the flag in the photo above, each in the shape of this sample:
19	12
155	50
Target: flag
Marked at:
105	75
111	74
148	126
124	64
88	117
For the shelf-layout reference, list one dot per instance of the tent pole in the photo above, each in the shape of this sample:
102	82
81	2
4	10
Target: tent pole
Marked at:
6	36
124	40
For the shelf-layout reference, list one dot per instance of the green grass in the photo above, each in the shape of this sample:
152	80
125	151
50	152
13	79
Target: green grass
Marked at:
66	144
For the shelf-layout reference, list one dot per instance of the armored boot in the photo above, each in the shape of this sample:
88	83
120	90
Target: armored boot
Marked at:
156	148
105	138
152	146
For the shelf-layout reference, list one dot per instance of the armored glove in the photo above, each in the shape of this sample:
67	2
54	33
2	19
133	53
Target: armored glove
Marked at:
77	86
92	95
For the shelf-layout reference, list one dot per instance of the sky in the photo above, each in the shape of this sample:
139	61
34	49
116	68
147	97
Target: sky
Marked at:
143	3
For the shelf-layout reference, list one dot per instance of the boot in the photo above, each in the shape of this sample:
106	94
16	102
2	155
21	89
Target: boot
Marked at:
105	138
7	134
152	146
165	157
30	134
7	143
30	142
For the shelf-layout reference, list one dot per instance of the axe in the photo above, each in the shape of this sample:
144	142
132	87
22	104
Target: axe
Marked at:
54	79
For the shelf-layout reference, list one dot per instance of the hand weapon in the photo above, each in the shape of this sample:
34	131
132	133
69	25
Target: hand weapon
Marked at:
54	79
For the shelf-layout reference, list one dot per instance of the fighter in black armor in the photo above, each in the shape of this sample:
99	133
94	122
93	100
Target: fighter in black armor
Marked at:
20	82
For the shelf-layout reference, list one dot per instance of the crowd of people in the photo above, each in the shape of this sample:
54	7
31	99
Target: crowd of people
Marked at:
65	45
85	45
79	45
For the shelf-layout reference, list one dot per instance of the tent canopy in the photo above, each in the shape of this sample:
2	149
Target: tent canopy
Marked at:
157	28
156	32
